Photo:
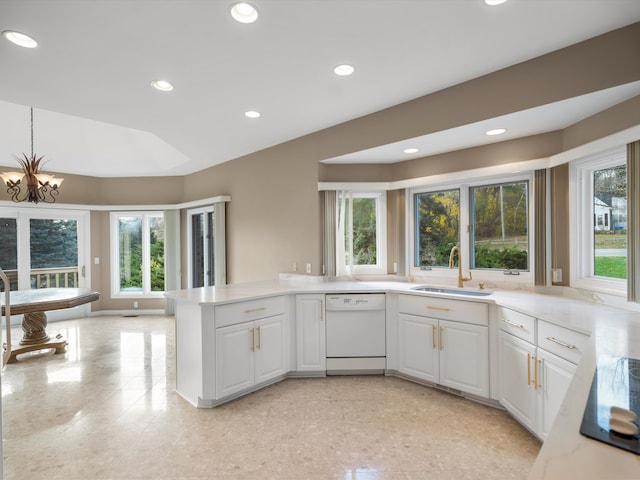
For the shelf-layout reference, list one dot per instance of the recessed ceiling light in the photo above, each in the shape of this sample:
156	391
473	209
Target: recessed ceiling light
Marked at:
344	70
411	150
496	131
252	114
20	39
244	12
495	2
162	85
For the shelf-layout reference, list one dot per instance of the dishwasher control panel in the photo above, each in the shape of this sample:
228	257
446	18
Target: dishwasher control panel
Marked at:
358	301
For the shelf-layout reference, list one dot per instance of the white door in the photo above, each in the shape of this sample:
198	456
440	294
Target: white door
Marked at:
310	334
418	351
42	248
270	358
464	357
554	377
235	347
516	378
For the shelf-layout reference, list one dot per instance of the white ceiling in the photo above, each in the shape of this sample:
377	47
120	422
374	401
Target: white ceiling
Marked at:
96	114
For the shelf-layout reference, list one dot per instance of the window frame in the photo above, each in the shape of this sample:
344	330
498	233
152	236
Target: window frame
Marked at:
207	253
464	184
380	267
146	255
581	228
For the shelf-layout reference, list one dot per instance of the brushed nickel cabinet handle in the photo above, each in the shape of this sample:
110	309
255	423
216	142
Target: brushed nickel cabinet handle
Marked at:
517	325
560	342
253	345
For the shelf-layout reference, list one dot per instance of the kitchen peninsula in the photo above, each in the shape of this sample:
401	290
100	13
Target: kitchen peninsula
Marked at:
269	311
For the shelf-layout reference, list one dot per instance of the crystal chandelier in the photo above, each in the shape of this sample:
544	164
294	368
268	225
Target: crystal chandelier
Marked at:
31	185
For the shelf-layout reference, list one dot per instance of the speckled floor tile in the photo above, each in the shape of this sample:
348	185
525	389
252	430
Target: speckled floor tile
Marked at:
107	409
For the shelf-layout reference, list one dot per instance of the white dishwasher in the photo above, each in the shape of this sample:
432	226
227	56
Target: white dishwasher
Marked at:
356	333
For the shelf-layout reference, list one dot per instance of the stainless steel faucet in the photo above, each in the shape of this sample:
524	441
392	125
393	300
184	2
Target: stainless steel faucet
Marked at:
461	279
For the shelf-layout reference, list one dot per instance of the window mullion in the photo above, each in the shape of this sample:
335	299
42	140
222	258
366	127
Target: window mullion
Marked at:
464	232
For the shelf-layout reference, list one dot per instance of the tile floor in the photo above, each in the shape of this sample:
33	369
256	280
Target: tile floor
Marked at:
107	409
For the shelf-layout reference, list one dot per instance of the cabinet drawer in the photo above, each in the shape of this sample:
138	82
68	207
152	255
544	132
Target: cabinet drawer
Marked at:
232	313
517	324
565	343
446	309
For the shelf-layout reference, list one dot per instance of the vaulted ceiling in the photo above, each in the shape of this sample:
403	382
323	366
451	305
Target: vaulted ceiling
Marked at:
96	114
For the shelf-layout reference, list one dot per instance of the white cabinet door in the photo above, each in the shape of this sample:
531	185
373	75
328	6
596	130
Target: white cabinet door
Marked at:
234	358
464	357
418	350
554	377
516	378
310	334
270	358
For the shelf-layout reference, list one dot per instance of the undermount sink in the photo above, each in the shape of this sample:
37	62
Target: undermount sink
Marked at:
454	291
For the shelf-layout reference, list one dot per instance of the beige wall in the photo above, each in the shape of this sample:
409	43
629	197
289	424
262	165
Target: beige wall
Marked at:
273	217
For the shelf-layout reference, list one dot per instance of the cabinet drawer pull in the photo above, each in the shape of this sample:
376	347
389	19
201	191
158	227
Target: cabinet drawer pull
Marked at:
433	337
559	342
442	309
258	346
441	344
253	344
528	369
517	325
253	310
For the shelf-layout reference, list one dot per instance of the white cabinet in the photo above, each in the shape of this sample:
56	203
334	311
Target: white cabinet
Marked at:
235	361
464	357
310	334
444	342
554	376
517	393
418	350
532	380
248	354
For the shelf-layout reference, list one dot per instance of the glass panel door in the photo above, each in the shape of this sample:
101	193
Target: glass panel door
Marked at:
201	251
53	249
45	249
9	251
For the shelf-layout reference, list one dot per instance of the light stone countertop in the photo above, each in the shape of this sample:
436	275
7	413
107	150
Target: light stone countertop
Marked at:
565	454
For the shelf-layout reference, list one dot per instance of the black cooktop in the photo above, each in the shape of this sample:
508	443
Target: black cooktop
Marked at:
616	382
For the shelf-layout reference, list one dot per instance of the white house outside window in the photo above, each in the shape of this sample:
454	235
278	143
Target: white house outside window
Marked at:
598	208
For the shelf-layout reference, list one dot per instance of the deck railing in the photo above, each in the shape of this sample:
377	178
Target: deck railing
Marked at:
63	277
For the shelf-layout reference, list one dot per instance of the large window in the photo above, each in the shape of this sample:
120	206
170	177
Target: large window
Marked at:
499	227
361	233
490	221
437	220
138	267
598	205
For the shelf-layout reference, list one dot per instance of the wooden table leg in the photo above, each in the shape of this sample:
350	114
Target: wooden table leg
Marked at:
35	336
34	326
